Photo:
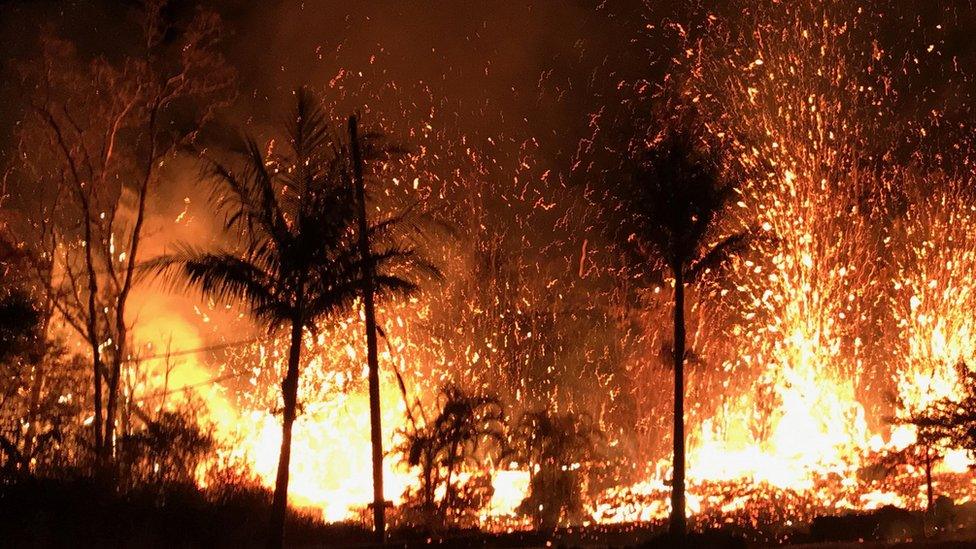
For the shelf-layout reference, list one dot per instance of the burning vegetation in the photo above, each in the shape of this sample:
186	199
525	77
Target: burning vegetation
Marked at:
735	293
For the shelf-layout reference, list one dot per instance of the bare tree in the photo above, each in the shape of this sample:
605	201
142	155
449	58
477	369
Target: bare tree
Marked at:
109	126
946	423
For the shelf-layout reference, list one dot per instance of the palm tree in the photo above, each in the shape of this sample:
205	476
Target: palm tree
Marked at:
676	197
559	449
298	261
468	429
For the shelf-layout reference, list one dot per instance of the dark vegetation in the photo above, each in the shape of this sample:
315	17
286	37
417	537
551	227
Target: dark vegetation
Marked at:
77	511
467	428
562	451
949	422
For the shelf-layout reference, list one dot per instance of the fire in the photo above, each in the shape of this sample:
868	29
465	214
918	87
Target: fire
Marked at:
330	446
808	107
330	471
934	294
806	303
511	487
849	312
843	299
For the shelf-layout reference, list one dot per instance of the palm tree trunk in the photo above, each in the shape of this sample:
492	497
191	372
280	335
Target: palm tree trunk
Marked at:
678	525
289	392
375	427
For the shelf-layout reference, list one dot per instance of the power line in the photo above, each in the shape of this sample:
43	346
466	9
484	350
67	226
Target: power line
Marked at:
211	381
184	352
225	377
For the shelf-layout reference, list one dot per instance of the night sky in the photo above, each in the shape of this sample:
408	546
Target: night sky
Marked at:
504	70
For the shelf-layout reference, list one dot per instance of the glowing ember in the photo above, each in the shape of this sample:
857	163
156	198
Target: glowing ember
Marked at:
847	313
800	410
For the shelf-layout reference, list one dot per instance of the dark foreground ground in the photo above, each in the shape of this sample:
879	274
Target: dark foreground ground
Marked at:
78	513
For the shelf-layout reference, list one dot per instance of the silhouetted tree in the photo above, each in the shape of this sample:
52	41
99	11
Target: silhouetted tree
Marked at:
166	451
466	429
950	422
557	448
299	262
943	424
19	323
36	373
100	131
369	315
674	199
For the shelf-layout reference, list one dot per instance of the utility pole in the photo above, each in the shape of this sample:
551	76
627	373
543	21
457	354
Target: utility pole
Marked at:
376	432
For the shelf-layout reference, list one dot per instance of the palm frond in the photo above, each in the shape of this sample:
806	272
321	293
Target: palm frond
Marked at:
329	297
673	200
224	276
248	198
309	128
718	256
389	285
295	213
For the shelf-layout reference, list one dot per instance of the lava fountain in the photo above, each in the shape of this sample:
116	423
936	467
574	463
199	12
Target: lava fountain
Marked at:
846	295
